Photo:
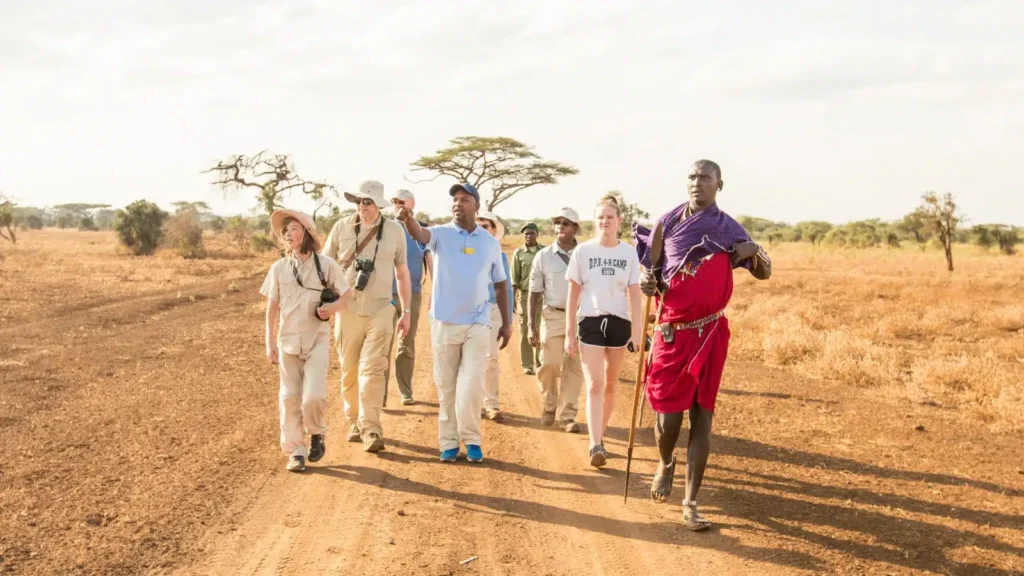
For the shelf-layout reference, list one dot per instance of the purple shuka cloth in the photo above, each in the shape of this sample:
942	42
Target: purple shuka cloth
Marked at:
709	231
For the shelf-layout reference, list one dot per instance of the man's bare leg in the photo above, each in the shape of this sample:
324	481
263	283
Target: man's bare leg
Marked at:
697	451
666	433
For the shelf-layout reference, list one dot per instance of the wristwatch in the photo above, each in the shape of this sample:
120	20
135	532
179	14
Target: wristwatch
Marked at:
406	310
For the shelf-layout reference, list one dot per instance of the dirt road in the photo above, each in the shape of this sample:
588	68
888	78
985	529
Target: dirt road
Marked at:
535	506
139	436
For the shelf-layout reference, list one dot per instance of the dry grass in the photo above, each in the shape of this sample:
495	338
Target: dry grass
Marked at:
893	323
69	269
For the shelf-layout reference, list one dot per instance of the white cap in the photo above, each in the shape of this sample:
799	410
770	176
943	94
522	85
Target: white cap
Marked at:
568	214
403	195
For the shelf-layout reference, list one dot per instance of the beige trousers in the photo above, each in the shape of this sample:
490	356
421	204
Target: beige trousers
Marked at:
491	372
302	397
556	365
460	353
364	347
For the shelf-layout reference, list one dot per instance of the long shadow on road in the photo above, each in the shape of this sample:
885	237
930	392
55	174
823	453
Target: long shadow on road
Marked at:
666	533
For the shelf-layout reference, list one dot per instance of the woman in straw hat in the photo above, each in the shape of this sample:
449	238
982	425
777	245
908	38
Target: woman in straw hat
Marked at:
491	407
304	290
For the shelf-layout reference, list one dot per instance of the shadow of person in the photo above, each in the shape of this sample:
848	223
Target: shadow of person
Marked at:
663	532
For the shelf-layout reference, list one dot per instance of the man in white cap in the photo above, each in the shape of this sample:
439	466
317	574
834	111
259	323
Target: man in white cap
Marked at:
371	251
420	264
492	409
549	290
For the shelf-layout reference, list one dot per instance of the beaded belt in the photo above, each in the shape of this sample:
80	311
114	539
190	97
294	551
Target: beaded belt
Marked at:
696	324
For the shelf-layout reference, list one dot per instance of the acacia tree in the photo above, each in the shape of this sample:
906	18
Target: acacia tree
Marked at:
507	165
942	217
629	212
271	177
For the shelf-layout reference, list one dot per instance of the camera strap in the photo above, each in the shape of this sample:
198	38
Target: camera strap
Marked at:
359	247
319	272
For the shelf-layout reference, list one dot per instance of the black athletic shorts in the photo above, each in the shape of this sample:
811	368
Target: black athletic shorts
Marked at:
608	331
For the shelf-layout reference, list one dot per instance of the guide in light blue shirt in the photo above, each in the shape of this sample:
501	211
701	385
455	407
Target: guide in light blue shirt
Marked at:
467	260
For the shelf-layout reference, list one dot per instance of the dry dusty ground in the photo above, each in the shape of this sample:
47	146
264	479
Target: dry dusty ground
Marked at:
138	433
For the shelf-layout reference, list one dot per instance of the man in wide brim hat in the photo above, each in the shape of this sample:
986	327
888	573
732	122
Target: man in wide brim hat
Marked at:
371	189
491	407
277	225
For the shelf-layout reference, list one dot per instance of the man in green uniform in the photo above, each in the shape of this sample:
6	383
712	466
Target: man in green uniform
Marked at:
522	260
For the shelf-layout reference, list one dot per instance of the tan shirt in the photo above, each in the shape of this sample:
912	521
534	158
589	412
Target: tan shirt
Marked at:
340	245
547	275
299	326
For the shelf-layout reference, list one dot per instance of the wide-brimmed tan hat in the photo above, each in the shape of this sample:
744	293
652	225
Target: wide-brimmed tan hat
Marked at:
277	223
371	189
498	226
568	214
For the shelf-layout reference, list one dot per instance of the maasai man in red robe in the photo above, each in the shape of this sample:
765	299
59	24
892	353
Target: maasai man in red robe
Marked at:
693	283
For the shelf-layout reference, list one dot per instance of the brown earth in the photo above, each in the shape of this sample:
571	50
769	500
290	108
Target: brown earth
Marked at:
139	435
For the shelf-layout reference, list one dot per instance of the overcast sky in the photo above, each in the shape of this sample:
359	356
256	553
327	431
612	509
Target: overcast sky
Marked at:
813	111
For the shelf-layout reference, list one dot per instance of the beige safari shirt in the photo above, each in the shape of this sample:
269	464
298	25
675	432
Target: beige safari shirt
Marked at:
547	275
340	245
299	326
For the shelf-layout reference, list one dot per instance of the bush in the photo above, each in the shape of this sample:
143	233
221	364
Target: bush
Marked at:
260	242
184	234
34	222
87	224
237	228
139	226
215	224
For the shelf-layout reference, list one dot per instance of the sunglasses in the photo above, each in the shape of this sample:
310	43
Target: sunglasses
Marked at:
484	225
366	202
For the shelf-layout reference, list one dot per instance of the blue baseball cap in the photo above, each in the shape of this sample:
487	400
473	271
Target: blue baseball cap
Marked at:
465	187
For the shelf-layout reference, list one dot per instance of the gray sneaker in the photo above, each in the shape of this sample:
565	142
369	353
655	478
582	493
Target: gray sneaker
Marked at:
353	434
372	442
570	426
547	418
407	400
296	463
598	456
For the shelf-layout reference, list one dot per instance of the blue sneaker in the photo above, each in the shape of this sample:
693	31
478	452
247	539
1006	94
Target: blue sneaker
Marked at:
474	453
450	455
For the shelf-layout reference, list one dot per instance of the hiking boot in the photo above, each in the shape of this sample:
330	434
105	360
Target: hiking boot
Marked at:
598	456
317	448
407	400
450	455
494	415
296	463
353	434
372	442
547	418
570	426
528	371
474	453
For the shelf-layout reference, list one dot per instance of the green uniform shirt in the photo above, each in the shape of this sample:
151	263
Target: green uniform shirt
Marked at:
522	260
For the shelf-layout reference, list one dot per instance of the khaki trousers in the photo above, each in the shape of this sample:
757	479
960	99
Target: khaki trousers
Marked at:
492	370
530	355
363	349
556	365
302	396
405	358
460	353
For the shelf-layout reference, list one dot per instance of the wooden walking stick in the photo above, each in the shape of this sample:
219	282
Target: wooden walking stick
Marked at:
657	237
